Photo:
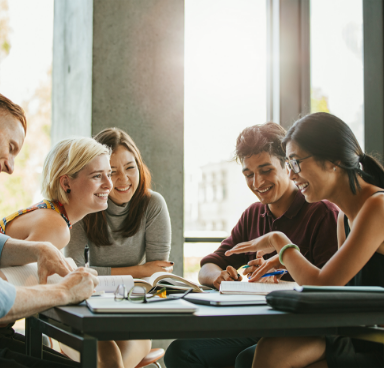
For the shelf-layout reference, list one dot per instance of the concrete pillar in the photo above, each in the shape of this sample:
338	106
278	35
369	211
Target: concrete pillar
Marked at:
72	69
121	63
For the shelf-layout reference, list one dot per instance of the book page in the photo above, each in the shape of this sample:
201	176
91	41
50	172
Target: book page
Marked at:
27	275
166	277
235	287
146	285
109	284
154	276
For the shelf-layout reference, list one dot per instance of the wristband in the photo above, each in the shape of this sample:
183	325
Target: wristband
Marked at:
284	249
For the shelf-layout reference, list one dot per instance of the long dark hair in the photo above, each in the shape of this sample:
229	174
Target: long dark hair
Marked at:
96	223
328	138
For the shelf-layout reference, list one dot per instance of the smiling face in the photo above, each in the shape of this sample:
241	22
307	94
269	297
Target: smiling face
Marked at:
266	178
317	181
90	188
12	137
125	175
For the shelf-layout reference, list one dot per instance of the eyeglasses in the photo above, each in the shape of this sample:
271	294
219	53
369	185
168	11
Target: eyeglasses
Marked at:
294	165
138	294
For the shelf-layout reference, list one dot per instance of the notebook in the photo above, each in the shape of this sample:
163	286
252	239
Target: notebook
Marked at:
254	288
108	305
217	299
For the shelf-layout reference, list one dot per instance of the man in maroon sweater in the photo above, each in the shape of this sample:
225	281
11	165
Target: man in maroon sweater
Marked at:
282	207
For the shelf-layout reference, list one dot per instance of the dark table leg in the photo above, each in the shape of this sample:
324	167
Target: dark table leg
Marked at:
33	338
85	344
89	352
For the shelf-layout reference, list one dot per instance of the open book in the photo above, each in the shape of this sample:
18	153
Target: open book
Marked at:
260	288
27	276
169	281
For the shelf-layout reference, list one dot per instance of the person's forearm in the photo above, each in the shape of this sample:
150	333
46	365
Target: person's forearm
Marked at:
18	252
300	269
209	273
31	300
134	271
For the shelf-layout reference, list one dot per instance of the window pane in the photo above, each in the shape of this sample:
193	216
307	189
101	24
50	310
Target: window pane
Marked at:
337	61
25	77
225	91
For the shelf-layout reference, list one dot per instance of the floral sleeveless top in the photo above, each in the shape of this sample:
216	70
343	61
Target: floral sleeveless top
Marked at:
44	204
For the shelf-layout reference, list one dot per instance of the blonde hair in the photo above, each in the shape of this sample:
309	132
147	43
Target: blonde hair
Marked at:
68	157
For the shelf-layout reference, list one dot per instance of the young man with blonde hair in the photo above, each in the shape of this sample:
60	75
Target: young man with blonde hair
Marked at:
20	302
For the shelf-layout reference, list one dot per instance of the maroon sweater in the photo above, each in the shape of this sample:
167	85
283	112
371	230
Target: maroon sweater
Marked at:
312	226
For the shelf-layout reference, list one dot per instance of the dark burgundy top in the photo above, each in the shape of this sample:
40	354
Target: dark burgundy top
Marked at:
311	226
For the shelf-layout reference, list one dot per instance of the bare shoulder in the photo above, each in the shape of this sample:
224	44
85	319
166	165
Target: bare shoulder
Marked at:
371	214
374	203
40	225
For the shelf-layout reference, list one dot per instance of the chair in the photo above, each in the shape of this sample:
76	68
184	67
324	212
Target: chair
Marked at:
152	358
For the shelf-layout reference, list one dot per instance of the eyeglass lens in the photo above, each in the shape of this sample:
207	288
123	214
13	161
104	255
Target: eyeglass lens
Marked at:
294	166
120	293
137	295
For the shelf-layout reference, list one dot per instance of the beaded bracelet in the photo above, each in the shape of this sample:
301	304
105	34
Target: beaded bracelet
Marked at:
284	249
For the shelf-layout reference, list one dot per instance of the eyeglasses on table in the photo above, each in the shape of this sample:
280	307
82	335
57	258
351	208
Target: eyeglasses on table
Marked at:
138	294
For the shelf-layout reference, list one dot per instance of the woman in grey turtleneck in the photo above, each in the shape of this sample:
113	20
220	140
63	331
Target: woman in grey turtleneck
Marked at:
131	237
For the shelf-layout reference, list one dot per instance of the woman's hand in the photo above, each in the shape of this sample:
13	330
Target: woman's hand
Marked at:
149	268
265	244
260	266
262	245
254	265
270	265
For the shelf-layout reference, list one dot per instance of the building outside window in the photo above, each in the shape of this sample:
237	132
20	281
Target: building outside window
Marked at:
226	91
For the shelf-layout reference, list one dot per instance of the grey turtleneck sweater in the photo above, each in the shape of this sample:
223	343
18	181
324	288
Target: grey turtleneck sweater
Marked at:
152	242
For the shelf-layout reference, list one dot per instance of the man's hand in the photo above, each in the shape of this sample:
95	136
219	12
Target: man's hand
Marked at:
50	261
229	274
79	284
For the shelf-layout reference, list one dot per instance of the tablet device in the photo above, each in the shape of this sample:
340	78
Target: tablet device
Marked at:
218	299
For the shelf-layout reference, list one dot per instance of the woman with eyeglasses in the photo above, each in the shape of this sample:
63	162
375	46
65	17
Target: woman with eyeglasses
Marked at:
132	236
326	162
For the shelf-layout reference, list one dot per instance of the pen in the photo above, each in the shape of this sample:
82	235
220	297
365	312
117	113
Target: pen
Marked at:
246	266
86	255
279	272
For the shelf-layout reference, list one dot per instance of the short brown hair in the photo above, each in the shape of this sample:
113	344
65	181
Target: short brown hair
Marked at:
261	138
8	106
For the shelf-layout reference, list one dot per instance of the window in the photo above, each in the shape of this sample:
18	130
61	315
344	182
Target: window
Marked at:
225	91
337	61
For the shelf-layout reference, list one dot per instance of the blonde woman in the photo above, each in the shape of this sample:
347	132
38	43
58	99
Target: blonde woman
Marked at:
76	182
